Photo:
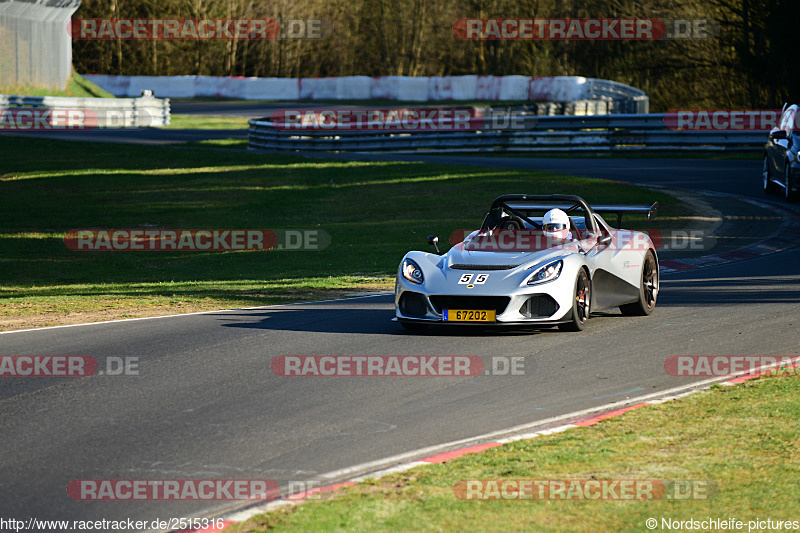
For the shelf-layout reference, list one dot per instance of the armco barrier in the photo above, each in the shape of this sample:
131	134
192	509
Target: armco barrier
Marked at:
110	112
604	133
621	98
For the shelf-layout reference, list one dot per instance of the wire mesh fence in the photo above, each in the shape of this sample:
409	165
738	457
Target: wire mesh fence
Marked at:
35	46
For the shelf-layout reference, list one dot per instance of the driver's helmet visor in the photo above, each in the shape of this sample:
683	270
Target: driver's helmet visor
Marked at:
554	227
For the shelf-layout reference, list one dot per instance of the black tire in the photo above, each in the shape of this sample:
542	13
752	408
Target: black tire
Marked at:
415	327
580	303
787	192
648	289
766	182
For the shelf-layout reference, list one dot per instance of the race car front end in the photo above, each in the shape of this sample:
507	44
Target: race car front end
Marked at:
435	289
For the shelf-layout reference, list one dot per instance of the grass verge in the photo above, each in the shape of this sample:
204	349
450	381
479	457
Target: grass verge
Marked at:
206	122
42	306
77	86
373	212
227	144
743	439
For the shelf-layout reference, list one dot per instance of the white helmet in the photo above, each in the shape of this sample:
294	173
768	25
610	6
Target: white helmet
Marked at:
556	224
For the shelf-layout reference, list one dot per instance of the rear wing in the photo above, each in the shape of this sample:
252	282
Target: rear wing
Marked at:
650	210
567	203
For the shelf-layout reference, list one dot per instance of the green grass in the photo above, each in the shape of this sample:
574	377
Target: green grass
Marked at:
48	305
77	86
743	439
373	211
206	122
228	144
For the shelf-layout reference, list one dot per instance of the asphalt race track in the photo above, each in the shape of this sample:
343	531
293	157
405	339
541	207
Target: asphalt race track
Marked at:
205	403
740	177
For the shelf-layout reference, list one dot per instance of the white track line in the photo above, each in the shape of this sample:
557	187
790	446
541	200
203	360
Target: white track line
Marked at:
412	459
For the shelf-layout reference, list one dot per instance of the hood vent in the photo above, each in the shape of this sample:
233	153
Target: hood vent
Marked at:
482	267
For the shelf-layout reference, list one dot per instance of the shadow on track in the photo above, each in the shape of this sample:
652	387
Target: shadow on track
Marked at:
369	321
373	316
731	290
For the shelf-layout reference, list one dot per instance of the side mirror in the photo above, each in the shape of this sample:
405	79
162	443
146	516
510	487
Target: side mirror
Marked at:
604	240
779	134
433	240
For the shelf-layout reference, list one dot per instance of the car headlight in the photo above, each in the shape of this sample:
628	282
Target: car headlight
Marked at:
411	271
546	273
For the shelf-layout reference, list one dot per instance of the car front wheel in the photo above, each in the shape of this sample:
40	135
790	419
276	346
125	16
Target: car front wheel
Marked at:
582	297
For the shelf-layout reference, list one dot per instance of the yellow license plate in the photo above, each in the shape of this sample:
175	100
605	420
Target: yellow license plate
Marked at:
468	315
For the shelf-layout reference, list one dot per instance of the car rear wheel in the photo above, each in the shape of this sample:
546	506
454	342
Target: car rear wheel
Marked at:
648	290
580	303
769	187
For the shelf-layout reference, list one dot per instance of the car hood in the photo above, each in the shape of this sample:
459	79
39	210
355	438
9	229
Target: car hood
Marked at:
485	250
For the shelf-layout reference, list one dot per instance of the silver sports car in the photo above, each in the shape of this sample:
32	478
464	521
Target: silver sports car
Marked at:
520	268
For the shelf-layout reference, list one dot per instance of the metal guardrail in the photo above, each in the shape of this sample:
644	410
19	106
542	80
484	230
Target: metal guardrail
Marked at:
621	98
553	109
603	133
99	112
